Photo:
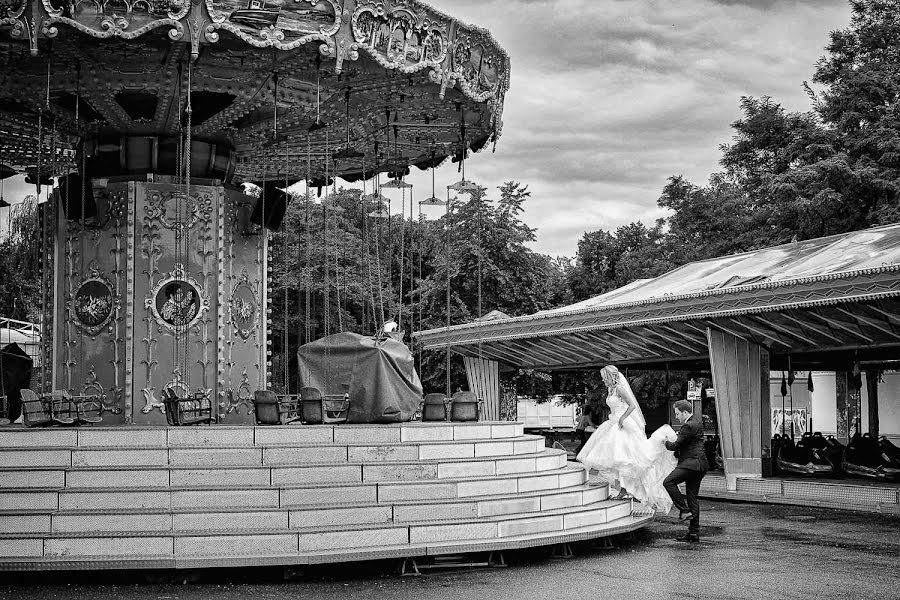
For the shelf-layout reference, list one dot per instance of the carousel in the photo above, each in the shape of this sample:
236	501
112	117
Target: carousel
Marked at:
140	122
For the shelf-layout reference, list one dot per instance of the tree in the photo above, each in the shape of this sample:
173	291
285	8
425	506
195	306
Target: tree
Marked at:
488	237
606	261
20	281
835	168
342	265
862	104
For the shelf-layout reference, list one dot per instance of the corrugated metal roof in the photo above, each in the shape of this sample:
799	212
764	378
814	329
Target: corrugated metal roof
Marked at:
859	250
804	289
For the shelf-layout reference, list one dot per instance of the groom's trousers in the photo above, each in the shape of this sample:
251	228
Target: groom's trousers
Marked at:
691	480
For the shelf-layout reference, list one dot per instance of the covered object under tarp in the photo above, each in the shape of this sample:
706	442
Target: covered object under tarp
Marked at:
379	375
15	374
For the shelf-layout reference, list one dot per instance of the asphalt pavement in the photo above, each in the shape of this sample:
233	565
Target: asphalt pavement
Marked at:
747	551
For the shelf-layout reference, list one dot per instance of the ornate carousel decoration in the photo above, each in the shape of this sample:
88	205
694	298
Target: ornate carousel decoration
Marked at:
145	117
244	307
177	302
177	211
94	302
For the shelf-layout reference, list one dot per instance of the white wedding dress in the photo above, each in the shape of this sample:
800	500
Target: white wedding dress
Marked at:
625	454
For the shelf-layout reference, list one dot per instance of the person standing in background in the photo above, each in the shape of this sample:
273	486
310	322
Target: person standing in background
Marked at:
587	424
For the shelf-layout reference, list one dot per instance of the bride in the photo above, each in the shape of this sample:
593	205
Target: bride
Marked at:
620	451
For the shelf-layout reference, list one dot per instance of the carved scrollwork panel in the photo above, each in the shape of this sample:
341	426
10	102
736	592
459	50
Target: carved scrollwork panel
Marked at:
178	212
244	307
127	19
400	37
275	23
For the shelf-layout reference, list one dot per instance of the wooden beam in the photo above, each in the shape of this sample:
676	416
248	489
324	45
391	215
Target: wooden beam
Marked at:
627	342
502	350
580	349
843	327
880	326
810	342
594	341
758	331
570	354
717	325
678	337
887	315
534	349
647	335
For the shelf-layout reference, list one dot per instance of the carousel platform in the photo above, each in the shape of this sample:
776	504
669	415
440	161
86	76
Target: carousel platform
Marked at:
138	497
844	494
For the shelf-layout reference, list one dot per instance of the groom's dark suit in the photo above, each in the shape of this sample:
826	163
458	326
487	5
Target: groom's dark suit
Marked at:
692	466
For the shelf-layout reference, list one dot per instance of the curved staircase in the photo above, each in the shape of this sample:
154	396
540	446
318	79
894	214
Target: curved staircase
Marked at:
135	497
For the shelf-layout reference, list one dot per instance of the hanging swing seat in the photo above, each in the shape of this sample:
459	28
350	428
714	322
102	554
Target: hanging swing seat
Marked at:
435	407
316	408
89	409
35	410
194	409
466	406
75	410
275	409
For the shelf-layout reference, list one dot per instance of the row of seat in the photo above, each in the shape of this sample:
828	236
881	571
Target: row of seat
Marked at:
59	408
310	406
462	406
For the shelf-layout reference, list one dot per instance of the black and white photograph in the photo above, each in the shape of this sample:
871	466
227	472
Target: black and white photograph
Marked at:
449	299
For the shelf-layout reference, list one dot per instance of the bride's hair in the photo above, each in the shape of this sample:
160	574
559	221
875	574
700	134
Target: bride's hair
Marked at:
610	375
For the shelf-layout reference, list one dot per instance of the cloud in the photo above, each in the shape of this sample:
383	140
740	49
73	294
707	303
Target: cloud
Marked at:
609	98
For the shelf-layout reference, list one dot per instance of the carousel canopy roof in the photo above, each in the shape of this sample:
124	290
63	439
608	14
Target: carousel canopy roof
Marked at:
832	294
283	84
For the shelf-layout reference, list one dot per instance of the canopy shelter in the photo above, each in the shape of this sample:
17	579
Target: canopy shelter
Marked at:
806	299
826	303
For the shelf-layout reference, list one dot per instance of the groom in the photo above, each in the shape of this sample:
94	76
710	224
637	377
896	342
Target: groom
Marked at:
692	466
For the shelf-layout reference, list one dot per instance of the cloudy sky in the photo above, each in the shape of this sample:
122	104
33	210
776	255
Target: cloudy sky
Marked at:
611	97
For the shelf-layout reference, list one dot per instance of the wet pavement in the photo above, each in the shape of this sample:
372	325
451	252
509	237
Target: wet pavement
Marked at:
746	551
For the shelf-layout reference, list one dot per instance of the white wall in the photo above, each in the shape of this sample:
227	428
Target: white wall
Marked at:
822	403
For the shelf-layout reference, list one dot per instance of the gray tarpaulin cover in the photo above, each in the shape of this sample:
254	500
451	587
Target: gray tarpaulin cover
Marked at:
379	375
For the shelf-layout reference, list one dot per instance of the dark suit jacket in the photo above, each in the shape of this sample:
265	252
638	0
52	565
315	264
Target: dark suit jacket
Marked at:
689	446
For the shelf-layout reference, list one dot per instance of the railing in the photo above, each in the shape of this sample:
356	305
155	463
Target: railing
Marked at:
23	327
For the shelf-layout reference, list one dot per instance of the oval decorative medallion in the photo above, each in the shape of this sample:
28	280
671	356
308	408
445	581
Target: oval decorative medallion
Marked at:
177	302
244	307
94	302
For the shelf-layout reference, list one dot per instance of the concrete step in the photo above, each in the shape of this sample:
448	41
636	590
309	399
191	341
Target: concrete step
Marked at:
130	476
236	517
32	557
50	457
246	437
139	489
150	545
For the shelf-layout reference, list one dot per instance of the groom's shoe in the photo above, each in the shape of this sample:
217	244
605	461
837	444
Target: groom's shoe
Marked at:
692	538
684	515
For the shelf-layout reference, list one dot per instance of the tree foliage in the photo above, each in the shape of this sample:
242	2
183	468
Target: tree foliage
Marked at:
20	282
342	265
